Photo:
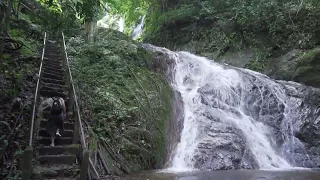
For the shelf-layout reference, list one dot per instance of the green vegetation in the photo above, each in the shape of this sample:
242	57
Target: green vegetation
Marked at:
124	104
72	12
128	103
19	61
269	28
29	44
20	42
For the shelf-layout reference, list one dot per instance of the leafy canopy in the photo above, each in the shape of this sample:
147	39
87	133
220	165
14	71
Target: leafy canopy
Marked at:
87	10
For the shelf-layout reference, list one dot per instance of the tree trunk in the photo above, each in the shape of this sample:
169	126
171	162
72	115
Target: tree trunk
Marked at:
89	29
7	18
18	8
4	23
86	30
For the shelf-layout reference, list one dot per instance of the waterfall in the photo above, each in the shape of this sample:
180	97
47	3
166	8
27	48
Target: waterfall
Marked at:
115	22
137	30
235	118
227	94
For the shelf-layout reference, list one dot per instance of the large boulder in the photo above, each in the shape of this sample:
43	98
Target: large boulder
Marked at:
297	65
243	118
224	147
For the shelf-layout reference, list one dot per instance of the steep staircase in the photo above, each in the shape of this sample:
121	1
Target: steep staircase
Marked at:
57	162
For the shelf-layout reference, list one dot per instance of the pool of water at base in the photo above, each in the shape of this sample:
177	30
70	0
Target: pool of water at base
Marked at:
295	174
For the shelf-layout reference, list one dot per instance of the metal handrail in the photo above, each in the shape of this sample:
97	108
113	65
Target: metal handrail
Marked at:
26	163
82	140
36	93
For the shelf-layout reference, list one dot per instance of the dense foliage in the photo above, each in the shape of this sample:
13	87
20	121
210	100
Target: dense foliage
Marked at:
125	102
20	39
91	10
217	26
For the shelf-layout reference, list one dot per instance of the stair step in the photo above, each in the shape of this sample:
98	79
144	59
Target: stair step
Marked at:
46	93
51	52
51	57
52	81
54	59
46	68
57	142
52	76
52	69
52	85
65	133
55	62
68	150
54	66
58	172
51	45
52	48
67	125
57	159
57	89
61	178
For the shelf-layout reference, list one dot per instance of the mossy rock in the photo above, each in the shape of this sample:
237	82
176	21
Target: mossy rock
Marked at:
308	68
297	65
284	66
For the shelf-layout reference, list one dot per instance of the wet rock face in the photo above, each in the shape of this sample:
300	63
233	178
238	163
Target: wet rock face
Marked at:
262	104
293	119
162	61
309	129
288	111
224	148
174	126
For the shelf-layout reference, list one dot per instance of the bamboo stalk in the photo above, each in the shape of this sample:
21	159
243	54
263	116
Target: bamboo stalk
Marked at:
89	174
95	158
94	169
104	164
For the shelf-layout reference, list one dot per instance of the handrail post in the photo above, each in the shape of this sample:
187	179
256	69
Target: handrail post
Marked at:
71	101
84	164
76	134
26	163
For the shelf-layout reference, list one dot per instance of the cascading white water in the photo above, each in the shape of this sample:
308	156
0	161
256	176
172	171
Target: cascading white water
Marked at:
235	118
137	30
193	74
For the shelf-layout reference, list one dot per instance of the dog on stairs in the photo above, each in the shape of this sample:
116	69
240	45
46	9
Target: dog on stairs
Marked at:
57	116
